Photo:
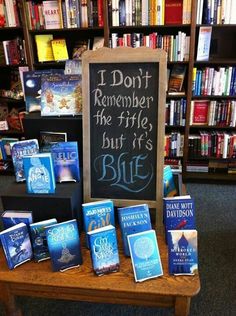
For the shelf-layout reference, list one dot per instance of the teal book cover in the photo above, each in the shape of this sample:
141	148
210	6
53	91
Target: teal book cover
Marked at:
169	186
39	173
104	250
145	255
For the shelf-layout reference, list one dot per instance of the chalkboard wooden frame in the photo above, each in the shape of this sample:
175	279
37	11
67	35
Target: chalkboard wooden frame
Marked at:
126	55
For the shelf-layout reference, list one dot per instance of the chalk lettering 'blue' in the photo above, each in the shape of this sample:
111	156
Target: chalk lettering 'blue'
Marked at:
125	172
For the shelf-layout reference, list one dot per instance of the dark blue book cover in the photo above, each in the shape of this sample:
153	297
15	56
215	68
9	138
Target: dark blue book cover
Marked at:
14	217
145	255
133	219
168	182
64	245
39	173
39	240
97	214
16	245
182	251
66	161
20	149
104	250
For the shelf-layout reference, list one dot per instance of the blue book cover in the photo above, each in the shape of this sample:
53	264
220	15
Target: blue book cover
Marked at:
104	250
39	173
61	95
133	219
168	182
32	87
14	217
97	214
64	245
16	245
39	240
20	149
145	255
182	251
66	161
179	213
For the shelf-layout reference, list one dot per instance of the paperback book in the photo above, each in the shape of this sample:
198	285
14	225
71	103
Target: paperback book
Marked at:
176	79
14	217
39	173
16	245
204	43
61	95
66	161
145	255
64	245
182	252
168	182
59	49
47	139
18	150
104	250
133	219
97	214
39	240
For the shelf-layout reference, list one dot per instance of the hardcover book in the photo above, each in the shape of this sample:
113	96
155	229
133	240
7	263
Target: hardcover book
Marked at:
59	49
98	214
199	112
176	79
16	245
73	67
173	11
66	161
182	252
20	149
61	95
168	182
64	245
39	173
133	219
44	47
145	255
47	139
204	43
51	13
104	250
11	218
39	240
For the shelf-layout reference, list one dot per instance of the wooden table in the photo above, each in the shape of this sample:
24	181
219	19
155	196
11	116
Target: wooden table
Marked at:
38	280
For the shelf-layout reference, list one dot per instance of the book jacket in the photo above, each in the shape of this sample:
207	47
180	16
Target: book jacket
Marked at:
145	255
39	240
133	219
64	245
20	149
182	251
39	173
104	250
14	217
66	161
61	95
16	245
168	182
98	214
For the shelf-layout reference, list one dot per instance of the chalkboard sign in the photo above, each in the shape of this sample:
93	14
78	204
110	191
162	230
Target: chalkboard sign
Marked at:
123	125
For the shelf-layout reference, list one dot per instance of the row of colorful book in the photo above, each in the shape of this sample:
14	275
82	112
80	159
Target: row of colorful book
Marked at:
173	144
9	14
176	46
211	81
175	112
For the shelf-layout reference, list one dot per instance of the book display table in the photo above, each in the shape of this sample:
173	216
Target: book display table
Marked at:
38	280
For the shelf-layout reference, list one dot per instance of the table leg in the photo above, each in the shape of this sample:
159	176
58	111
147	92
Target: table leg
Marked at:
8	300
182	305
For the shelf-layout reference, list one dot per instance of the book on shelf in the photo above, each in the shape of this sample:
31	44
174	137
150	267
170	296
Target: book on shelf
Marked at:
14	217
169	187
16	245
61	95
59	49
65	157
64	245
39	240
133	219
51	13
5	143
47	139
104	250
173	12
182	252
98	42
79	48
39	173
176	79
204	43
199	112
73	67
44	47
145	256
11	13
18	150
97	214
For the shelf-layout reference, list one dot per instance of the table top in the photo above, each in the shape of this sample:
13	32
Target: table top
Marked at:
83	277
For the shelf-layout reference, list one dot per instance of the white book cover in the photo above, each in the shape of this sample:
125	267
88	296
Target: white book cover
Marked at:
51	14
204	43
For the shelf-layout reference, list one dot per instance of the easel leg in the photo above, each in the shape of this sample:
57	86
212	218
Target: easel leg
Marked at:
182	305
8	301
